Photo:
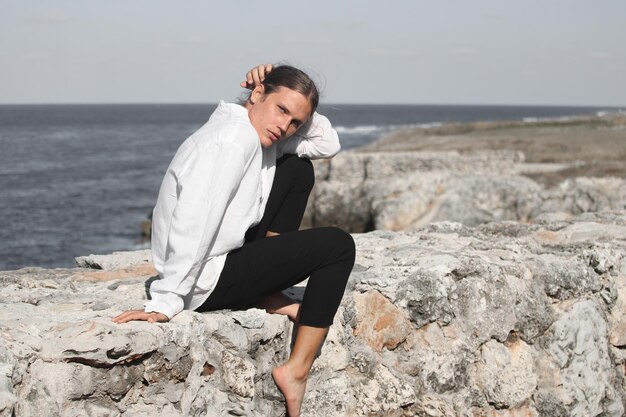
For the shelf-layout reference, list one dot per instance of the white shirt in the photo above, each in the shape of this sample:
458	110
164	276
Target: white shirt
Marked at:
214	190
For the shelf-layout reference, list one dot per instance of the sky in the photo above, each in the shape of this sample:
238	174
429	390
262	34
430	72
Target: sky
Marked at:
548	52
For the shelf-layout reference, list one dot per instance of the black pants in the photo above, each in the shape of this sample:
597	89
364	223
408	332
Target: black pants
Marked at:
266	265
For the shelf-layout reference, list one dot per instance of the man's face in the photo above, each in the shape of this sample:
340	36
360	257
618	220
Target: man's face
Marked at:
278	115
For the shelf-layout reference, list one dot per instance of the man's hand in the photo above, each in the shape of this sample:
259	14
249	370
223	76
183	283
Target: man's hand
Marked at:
256	76
130	315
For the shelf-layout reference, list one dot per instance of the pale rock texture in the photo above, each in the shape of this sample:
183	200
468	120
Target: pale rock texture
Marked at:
501	363
116	260
503	319
406	190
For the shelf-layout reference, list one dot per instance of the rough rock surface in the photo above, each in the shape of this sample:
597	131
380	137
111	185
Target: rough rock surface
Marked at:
502	319
406	190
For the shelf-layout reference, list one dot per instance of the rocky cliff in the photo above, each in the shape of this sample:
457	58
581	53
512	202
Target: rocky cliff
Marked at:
475	173
409	189
498	319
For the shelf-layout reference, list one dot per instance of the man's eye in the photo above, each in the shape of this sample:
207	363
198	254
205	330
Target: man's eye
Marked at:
295	123
281	109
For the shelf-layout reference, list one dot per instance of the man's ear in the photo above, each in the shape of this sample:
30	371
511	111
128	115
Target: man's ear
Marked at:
256	94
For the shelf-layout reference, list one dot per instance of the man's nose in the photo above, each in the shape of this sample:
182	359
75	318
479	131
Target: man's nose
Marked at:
283	124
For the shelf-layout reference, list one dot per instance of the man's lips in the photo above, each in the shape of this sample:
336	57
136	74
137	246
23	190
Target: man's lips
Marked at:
273	136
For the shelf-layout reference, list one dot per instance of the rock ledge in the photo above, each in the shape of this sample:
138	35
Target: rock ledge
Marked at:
501	319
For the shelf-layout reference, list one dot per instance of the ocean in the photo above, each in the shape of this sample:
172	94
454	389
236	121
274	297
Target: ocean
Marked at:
80	179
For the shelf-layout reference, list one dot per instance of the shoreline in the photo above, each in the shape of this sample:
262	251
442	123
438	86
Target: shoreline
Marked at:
567	147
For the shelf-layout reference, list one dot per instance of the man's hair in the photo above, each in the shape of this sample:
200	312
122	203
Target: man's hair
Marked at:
293	79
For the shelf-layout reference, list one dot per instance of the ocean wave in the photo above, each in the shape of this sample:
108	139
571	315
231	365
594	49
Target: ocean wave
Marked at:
600	113
427	125
603	113
364	129
371	129
531	120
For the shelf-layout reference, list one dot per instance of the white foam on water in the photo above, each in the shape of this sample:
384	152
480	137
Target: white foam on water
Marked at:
371	129
359	129
550	119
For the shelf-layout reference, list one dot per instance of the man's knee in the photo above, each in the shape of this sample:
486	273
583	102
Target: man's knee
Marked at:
342	241
301	170
304	173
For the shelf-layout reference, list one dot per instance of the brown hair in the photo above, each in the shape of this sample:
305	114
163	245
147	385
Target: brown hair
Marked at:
293	79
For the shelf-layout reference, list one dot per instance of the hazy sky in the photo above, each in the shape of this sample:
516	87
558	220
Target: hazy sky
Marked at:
561	52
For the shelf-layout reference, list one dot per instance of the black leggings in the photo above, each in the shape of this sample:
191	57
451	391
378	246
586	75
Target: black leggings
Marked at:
266	265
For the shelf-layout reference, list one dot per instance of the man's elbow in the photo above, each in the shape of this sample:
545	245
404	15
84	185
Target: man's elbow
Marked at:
331	147
334	148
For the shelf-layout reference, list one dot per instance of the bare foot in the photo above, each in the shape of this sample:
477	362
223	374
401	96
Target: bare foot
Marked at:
291	387
279	303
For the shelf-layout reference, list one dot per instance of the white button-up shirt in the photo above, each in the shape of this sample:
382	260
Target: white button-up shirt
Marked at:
214	190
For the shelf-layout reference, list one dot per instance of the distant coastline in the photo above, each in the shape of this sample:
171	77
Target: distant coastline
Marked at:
590	145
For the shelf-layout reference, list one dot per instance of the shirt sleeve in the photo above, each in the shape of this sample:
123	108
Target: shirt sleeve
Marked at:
316	139
205	188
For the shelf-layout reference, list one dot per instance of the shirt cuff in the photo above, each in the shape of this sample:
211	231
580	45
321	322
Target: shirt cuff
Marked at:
169	304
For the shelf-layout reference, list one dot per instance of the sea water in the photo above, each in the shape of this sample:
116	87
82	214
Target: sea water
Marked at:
80	179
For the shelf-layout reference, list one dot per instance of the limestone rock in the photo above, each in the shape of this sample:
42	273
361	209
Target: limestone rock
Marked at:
506	373
116	260
381	324
238	374
407	190
618	316
504	319
577	344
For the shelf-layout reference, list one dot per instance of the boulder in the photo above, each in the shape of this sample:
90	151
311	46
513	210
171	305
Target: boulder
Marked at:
501	319
407	190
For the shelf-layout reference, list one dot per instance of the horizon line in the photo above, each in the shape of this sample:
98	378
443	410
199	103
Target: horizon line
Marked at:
200	103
